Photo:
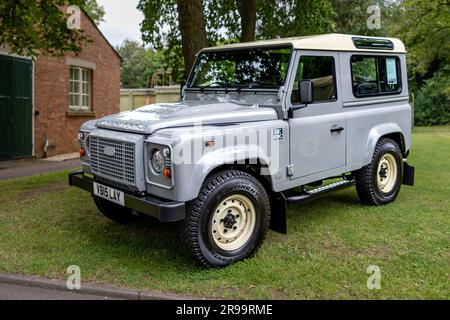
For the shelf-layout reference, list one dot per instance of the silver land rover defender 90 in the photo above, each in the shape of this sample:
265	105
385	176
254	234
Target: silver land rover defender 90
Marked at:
259	125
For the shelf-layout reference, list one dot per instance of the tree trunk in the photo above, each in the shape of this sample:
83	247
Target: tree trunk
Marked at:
247	10
193	30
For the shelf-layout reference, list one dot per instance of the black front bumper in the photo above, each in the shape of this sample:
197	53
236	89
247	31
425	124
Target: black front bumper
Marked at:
165	211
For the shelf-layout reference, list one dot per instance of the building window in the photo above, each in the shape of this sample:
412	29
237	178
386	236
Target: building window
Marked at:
321	71
375	75
80	88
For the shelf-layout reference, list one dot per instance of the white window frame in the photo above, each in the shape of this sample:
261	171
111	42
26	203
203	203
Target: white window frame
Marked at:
81	93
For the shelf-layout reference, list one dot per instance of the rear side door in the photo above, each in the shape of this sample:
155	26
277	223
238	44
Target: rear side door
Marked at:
317	131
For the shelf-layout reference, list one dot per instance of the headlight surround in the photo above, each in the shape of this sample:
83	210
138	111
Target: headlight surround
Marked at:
159	166
157	162
83	139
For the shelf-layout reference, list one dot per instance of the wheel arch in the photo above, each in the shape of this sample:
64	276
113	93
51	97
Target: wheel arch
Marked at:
388	130
250	159
253	167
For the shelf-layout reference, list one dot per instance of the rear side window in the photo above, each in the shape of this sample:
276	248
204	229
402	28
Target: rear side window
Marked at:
375	75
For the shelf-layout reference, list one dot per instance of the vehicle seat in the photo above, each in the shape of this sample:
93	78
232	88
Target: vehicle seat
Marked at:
323	88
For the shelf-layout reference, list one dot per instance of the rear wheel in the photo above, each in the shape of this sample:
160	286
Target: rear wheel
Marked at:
228	221
379	182
114	211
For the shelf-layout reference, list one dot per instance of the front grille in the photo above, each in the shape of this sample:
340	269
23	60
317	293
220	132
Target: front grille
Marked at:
120	167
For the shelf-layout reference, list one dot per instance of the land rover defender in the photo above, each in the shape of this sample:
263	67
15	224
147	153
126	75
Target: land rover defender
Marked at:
259	125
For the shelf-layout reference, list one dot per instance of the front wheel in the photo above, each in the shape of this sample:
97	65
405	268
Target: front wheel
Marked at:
228	221
379	182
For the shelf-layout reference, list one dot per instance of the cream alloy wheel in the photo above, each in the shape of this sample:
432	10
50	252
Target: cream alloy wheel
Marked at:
233	222
379	182
229	222
387	173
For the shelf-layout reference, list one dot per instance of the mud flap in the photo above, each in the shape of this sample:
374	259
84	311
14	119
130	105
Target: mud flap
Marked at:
408	174
278	213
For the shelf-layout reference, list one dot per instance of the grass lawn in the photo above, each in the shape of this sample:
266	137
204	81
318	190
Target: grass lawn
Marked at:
45	227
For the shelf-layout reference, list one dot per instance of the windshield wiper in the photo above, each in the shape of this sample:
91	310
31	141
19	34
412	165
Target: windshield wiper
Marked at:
211	85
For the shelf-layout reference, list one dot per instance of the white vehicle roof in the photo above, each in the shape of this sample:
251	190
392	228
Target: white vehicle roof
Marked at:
328	42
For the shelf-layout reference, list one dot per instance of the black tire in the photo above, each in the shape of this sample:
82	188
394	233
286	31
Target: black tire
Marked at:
115	212
197	228
367	185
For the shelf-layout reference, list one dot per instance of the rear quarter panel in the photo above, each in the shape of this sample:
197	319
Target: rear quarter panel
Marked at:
368	119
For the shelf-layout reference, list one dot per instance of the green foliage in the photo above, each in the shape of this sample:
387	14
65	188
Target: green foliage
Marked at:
30	27
432	105
160	26
350	16
95	11
424	26
292	18
289	18
139	64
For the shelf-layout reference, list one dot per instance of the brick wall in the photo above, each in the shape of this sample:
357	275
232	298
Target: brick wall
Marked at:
51	93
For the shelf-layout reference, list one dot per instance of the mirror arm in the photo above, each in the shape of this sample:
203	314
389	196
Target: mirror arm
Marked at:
295	108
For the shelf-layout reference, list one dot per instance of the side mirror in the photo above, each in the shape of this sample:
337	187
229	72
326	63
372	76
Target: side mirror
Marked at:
305	90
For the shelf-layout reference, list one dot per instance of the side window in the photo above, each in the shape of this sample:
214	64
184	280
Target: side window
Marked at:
375	75
321	71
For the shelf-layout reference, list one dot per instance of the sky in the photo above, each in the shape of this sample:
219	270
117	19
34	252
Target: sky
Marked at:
122	20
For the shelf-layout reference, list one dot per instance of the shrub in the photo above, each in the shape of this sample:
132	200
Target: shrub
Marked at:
432	104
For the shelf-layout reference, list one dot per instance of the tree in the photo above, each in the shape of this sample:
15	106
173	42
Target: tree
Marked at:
192	28
31	28
228	21
247	11
95	11
138	64
424	26
351	16
293	18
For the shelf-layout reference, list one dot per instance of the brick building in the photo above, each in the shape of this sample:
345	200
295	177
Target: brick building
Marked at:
44	102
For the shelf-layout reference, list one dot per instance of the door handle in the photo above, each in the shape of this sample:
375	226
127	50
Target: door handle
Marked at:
337	130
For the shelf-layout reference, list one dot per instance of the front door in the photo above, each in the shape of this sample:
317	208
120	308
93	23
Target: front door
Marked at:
15	108
317	139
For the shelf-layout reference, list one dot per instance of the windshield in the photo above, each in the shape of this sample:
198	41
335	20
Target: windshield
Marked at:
254	68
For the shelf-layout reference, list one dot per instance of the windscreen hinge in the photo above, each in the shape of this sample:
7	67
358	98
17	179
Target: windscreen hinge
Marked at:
291	170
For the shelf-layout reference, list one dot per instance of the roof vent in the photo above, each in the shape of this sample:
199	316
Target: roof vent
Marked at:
372	43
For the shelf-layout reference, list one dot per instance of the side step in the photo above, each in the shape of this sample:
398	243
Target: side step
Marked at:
309	195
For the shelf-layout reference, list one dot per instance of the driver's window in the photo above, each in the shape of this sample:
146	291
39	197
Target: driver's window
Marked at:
321	71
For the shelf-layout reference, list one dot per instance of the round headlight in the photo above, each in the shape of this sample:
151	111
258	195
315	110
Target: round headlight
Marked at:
80	135
157	162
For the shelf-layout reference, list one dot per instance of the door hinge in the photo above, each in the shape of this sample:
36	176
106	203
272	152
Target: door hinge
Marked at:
291	170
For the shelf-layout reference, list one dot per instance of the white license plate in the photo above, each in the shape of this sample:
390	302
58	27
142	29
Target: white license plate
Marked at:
110	194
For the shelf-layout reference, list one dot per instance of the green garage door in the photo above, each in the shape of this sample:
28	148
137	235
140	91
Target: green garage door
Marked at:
16	108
